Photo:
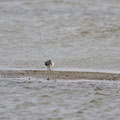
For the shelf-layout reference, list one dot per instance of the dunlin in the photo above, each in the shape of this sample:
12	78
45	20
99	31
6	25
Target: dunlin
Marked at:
49	63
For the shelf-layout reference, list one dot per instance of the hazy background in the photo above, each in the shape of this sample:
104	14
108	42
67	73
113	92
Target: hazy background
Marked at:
76	34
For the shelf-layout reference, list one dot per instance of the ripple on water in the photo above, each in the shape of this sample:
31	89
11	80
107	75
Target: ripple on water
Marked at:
60	99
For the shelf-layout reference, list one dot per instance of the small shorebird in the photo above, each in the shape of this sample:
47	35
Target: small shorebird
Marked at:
49	63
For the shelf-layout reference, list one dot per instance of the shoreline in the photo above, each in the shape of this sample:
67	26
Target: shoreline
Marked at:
66	75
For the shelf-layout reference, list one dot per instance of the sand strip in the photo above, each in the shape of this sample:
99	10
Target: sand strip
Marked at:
66	75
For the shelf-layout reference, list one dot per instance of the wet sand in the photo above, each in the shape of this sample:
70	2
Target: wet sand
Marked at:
54	75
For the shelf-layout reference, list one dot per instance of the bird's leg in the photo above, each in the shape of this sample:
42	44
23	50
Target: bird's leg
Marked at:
48	68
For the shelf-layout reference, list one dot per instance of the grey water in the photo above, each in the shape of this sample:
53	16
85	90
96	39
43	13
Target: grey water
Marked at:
39	99
76	35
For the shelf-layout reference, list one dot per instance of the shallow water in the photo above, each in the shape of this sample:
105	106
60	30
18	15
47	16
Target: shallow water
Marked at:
38	99
75	34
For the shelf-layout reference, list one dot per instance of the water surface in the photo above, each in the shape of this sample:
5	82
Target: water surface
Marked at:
40	99
75	34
